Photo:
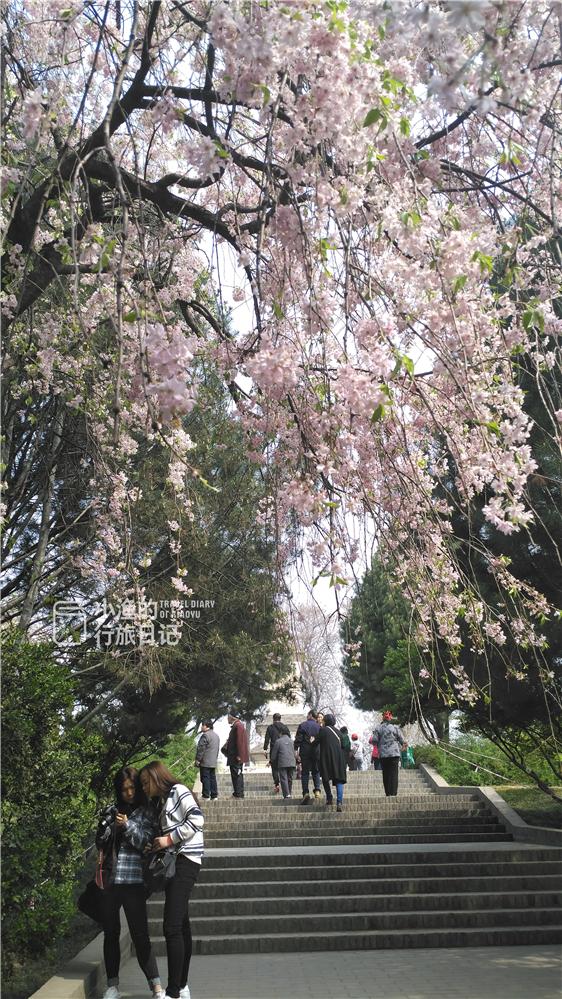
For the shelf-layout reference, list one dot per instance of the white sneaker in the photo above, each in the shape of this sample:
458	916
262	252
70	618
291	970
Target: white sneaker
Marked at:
112	993
185	993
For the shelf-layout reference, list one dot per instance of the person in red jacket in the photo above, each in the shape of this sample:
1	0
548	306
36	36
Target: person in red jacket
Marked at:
375	755
237	752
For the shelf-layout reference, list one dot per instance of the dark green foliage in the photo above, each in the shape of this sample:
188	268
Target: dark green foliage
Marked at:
386	673
512	678
238	648
178	754
48	806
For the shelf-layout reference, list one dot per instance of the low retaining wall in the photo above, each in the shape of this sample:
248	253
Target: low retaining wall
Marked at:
84	975
519	829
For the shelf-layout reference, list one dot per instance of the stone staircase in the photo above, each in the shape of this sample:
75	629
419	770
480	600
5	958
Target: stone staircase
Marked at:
419	870
291	720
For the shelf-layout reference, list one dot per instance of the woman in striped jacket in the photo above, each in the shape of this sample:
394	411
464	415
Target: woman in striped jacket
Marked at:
181	824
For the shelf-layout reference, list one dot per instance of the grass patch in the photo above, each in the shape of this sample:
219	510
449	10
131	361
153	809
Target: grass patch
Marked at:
533	805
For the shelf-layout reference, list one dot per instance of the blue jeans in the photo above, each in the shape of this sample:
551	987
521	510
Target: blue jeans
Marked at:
328	790
209	782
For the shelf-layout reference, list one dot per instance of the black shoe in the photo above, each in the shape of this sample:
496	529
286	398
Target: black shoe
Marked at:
339	808
305	799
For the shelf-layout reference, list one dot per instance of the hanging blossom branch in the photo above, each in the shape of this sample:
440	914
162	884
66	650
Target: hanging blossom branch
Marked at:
373	192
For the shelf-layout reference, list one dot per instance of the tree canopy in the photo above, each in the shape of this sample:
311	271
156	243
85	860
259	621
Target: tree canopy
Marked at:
347	175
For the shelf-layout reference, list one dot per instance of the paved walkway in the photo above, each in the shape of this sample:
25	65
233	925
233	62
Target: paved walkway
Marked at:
456	973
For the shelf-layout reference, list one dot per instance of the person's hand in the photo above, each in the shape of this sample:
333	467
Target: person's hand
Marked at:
238	759
121	820
161	842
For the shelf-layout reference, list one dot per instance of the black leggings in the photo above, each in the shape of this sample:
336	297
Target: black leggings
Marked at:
133	900
177	929
390	775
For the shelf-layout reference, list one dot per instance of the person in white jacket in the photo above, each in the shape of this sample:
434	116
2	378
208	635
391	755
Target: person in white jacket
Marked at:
181	824
356	752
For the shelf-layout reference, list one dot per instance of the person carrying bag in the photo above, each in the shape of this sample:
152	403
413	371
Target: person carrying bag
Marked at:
181	840
124	830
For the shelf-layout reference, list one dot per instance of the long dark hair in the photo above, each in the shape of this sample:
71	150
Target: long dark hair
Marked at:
129	773
162	777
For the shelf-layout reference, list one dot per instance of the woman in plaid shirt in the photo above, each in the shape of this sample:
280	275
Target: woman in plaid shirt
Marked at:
125	829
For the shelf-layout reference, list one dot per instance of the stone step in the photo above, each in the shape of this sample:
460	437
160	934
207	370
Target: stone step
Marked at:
331	820
244	807
265	778
333	905
480	927
364	920
456	835
499	936
362	785
234	878
377	858
399	886
343	841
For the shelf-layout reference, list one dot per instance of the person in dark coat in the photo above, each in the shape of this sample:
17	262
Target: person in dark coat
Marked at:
283	759
237	752
333	766
306	747
272	733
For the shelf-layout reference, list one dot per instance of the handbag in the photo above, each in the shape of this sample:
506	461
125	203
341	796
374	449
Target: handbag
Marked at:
158	870
90	901
104	876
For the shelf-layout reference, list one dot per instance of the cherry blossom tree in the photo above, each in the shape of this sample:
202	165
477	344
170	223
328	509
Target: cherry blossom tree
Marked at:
318	653
346	178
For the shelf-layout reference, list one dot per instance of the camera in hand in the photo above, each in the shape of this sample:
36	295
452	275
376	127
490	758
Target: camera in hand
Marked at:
106	822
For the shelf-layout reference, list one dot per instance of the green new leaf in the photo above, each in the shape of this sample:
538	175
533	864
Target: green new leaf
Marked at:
373	116
459	283
408	364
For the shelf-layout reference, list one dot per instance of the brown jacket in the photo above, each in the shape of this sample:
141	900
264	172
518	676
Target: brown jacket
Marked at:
237	746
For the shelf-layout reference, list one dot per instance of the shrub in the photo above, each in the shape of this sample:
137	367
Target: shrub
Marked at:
478	757
47	805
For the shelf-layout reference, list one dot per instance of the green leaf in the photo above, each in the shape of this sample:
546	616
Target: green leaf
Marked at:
459	283
372	116
408	364
533	319
378	413
485	260
405	126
